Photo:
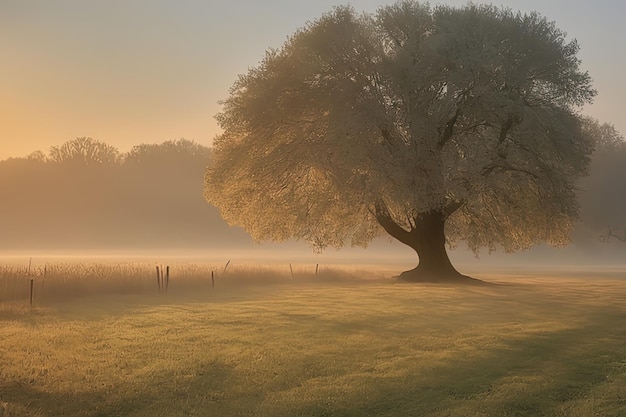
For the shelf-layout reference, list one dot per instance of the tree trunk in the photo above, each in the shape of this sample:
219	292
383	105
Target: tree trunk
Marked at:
428	240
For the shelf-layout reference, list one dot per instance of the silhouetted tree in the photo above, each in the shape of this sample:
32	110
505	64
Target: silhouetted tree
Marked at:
432	124
168	153
606	137
151	197
602	196
85	151
168	177
38	156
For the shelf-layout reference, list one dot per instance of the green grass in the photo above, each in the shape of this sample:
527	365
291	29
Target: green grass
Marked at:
332	347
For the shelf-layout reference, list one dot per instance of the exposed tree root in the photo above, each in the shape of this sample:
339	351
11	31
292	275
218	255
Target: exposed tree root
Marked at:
449	277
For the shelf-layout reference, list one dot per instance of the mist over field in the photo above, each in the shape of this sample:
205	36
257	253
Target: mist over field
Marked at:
148	204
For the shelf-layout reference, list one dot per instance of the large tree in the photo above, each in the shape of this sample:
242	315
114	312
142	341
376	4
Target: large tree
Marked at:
432	124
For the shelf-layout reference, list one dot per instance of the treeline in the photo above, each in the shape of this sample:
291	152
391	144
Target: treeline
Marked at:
85	194
603	193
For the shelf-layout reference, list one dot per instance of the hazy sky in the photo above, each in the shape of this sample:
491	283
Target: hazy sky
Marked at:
143	71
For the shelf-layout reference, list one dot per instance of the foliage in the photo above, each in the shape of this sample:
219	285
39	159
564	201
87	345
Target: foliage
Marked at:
366	120
607	138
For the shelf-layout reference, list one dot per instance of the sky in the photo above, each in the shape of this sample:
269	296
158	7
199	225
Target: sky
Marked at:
127	72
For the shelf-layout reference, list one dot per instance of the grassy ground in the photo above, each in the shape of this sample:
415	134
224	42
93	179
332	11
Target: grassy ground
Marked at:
335	347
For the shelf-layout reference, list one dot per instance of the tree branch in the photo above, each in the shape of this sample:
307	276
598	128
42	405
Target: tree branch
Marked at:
381	213
488	169
447	134
504	130
610	234
387	140
452	207
499	161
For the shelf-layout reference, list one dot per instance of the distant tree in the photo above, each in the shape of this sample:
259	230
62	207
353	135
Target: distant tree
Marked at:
169	167
38	156
602	196
164	183
605	136
432	124
85	151
172	152
151	198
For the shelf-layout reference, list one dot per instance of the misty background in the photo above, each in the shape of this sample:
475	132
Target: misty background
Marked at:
133	72
85	196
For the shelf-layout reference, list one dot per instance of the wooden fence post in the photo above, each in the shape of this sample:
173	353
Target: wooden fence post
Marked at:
158	278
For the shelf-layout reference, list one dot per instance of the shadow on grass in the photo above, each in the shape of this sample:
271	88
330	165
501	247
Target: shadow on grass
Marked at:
536	376
165	394
552	373
531	376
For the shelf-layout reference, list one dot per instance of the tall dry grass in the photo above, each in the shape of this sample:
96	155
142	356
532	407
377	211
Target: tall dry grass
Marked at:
64	281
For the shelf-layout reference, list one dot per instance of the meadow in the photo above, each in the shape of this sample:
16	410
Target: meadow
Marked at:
100	340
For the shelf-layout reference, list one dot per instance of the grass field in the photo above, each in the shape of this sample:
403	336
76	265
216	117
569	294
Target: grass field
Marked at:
263	344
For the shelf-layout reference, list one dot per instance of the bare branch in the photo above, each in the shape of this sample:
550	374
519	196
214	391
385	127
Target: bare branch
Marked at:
610	234
381	213
449	131
451	208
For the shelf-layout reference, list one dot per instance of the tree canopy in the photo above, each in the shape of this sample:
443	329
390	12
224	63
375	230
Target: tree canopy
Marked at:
412	120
